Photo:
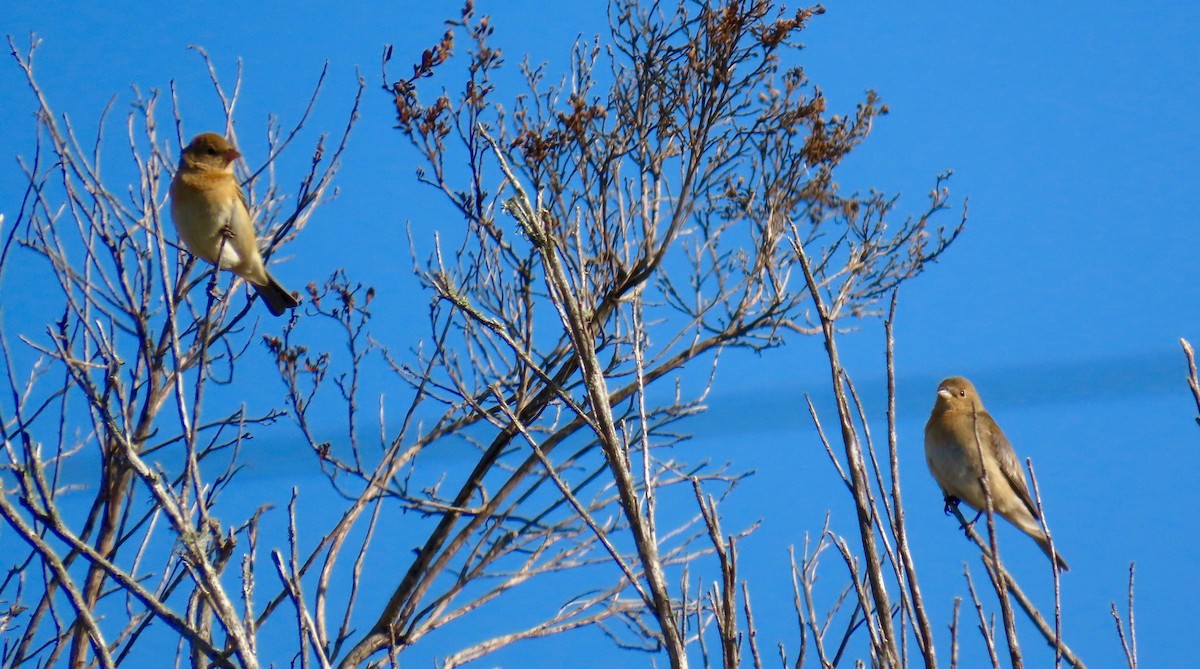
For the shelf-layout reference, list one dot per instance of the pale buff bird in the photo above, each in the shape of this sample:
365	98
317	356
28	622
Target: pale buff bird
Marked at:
953	458
209	209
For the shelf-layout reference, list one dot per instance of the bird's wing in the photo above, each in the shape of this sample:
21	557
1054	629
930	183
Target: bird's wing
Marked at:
241	250
1007	459
253	234
241	195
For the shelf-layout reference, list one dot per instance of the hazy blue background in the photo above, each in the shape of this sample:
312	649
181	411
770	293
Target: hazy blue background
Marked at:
1070	126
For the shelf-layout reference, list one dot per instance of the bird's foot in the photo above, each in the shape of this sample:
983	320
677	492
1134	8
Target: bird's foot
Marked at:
966	528
228	233
952	503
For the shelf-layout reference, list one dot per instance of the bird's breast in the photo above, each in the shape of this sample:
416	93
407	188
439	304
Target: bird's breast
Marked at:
202	223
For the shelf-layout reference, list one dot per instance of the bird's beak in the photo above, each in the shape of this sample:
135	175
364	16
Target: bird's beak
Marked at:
232	155
942	392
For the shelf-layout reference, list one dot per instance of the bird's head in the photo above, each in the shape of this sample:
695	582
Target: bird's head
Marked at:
209	151
957	393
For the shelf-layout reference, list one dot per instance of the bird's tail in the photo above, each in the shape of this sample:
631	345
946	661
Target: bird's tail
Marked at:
277	297
1056	556
1029	525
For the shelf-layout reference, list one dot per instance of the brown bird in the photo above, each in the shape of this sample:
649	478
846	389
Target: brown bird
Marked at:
211	217
953	458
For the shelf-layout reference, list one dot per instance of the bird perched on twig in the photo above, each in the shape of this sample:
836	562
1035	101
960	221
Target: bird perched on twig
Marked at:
953	456
211	217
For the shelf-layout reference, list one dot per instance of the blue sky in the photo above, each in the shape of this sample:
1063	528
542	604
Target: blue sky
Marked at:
1071	127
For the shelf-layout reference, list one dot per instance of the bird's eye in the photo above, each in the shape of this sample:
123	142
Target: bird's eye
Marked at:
962	393
211	151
